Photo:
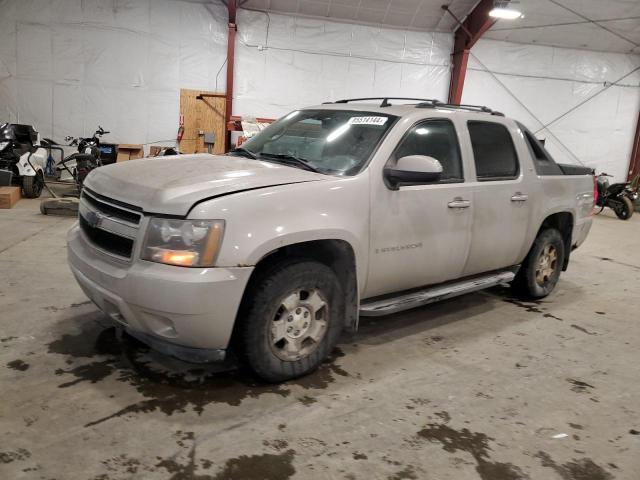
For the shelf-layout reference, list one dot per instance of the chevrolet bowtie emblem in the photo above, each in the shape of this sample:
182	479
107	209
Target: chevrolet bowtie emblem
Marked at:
94	219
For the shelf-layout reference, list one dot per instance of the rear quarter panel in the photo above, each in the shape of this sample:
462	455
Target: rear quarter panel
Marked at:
564	193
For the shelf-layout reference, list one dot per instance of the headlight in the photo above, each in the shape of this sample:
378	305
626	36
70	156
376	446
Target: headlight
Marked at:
3	145
187	243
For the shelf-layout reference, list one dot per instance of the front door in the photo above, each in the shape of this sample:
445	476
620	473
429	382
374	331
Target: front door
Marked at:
420	234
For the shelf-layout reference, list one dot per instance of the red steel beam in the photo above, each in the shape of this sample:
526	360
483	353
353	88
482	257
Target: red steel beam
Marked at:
634	162
231	44
466	36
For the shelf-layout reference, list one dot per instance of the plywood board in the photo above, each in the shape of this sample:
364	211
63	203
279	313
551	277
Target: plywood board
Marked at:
206	115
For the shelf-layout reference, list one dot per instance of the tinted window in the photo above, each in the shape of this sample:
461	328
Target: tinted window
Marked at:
437	139
493	151
542	160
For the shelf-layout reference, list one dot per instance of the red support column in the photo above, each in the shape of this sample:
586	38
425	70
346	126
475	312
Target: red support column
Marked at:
467	34
231	43
634	162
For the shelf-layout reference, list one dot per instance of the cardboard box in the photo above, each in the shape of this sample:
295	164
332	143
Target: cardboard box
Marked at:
129	151
9	196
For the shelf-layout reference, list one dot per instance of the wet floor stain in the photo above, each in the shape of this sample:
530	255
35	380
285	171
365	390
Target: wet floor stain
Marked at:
76	305
532	307
185	464
579	386
582	329
277	444
19	454
306	400
185	470
446	418
529	307
611	260
167	385
582	469
433	339
123	464
18	365
258	467
474	443
407	473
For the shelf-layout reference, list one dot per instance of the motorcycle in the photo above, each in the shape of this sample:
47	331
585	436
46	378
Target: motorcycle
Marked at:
619	197
86	159
22	159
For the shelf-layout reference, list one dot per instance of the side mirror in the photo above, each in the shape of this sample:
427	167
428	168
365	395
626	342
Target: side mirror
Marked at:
413	170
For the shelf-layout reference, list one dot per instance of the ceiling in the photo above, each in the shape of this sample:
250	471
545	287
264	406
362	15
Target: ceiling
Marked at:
604	25
417	14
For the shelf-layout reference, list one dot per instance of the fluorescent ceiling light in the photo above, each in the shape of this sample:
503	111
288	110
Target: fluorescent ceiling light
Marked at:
505	13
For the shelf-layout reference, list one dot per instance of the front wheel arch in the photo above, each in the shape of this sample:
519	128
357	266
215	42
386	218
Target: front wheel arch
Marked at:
337	254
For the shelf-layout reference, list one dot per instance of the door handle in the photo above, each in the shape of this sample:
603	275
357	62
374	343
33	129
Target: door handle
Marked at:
519	197
459	202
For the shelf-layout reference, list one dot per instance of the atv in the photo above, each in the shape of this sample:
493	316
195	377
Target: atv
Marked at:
22	160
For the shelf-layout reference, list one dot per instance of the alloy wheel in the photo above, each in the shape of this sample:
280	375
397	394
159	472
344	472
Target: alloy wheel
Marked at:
299	324
547	262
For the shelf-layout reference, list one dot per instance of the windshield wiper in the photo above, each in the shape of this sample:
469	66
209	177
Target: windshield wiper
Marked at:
290	160
243	152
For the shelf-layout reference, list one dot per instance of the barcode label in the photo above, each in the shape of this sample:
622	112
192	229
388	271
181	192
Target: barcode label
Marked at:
368	120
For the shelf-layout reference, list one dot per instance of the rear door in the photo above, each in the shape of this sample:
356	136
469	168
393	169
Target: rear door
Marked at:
420	234
502	206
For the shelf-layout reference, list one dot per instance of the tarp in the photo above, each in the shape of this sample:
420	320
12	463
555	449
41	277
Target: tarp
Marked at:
67	66
537	85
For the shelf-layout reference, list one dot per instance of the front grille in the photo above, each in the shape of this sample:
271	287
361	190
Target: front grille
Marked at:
109	225
107	241
113	208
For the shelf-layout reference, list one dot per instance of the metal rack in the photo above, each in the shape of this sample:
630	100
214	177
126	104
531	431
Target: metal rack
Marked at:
424	103
385	100
455	106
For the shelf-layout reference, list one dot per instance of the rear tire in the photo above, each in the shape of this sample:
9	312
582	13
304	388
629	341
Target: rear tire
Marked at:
626	209
541	269
290	319
32	186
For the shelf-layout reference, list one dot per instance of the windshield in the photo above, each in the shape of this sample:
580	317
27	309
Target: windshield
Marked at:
336	142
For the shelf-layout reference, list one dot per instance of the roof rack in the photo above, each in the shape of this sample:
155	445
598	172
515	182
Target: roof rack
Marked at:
455	106
385	100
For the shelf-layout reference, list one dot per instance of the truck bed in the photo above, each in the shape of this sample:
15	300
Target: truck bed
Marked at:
569	169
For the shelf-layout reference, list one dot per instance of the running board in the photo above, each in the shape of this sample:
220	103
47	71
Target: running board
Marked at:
387	306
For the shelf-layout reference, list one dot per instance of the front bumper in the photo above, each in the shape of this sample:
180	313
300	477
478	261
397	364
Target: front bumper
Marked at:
185	312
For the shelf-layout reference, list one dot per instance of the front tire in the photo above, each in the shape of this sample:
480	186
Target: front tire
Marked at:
540	271
32	186
625	210
290	320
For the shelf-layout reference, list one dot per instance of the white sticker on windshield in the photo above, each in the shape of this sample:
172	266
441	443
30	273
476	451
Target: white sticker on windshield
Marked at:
368	120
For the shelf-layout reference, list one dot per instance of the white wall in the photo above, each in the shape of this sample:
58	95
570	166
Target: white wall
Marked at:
536	84
68	65
284	62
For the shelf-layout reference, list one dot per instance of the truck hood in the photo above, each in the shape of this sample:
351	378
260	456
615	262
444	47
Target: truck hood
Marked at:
172	185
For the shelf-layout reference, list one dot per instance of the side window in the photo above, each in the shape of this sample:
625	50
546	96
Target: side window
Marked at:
493	151
541	159
437	139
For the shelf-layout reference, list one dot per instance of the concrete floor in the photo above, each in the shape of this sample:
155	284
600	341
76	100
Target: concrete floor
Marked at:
481	386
